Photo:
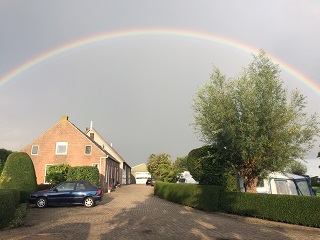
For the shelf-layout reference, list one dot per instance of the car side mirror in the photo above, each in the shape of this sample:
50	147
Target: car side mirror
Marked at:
56	190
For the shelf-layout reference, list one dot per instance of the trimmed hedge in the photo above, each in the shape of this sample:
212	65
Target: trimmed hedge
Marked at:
19	173
7	207
302	210
15	193
88	173
204	197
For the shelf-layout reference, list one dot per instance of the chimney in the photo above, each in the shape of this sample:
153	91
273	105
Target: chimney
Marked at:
64	118
92	136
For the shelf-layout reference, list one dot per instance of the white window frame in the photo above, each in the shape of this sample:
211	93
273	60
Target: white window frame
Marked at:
95	165
45	173
85	148
61	144
32	149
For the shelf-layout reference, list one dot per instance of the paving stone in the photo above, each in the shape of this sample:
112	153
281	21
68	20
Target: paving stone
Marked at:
133	212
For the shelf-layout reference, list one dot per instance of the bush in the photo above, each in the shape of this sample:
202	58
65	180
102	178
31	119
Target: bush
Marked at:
302	210
42	187
57	173
19	215
204	197
16	195
7	208
18	173
88	173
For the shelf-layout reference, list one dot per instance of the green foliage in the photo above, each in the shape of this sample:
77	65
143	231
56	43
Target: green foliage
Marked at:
19	215
167	173
42	187
7	208
19	173
57	173
180	165
206	167
2	162
253	120
154	161
296	167
4	153
193	195
88	173
315	182
302	210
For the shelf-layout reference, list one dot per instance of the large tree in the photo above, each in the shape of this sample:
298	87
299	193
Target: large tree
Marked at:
254	121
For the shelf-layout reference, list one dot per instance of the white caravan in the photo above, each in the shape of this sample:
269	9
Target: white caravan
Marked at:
285	183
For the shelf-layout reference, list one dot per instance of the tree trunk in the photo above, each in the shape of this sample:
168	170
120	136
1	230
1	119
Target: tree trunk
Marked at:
250	177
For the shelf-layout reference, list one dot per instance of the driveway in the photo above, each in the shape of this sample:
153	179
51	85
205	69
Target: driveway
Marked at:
133	212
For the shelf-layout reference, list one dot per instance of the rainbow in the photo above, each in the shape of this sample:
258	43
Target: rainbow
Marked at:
152	32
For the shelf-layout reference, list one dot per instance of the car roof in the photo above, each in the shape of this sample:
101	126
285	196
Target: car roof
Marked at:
76	181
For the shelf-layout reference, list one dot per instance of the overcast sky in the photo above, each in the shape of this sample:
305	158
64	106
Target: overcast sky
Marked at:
138	90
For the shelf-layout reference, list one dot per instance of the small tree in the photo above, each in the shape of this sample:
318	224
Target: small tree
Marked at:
19	173
155	160
180	164
167	173
296	167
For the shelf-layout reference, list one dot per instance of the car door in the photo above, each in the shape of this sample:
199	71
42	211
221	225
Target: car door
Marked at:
80	193
64	193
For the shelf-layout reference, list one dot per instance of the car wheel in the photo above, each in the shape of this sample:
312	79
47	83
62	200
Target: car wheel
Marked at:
88	202
41	202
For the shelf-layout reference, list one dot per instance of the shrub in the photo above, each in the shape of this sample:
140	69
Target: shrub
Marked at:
16	195
303	210
204	197
57	173
18	173
7	207
88	173
42	187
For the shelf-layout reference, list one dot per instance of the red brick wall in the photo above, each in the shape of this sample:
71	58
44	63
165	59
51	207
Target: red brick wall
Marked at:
64	131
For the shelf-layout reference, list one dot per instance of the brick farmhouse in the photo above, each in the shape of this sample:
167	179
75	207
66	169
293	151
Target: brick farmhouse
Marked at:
65	143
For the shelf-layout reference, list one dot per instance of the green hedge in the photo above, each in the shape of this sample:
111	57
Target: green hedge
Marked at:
7	207
19	173
88	173
204	197
16	195
302	210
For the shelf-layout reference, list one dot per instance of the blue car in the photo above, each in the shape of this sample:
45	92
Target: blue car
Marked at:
70	192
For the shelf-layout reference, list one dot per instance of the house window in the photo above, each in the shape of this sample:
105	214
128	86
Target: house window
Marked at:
34	150
87	149
95	165
61	148
45	172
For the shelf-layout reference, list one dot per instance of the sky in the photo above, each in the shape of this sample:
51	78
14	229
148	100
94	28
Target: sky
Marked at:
133	67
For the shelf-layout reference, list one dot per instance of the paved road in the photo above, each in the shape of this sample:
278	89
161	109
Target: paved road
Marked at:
133	212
